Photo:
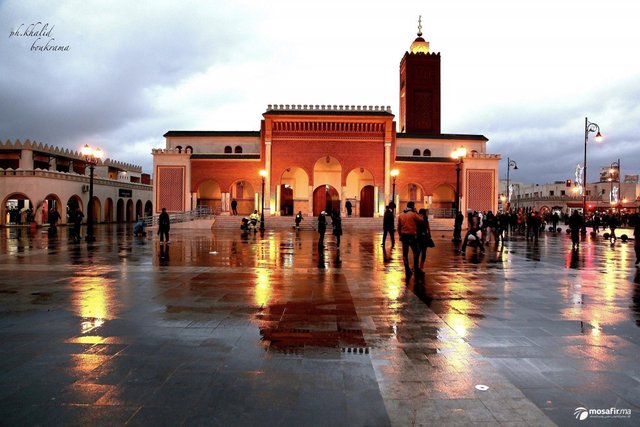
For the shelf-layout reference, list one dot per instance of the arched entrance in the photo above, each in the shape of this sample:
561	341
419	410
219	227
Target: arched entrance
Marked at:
244	194
209	195
129	210
444	196
108	210
96	210
120	212
50	202
148	208
286	200
293	191
17	209
367	201
325	198
139	209
411	192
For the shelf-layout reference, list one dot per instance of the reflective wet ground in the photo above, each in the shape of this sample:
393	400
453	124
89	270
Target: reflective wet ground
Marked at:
223	329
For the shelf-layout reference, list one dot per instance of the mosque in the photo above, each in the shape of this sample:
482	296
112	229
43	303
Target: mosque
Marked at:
312	158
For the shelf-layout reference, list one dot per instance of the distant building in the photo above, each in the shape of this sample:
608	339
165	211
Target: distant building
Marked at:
35	178
318	157
564	196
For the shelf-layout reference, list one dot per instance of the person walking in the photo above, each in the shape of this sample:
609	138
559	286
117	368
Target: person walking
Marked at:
613	224
408	222
77	224
298	220
472	234
424	236
349	207
457	227
336	221
164	224
322	228
234	207
575	223
388	226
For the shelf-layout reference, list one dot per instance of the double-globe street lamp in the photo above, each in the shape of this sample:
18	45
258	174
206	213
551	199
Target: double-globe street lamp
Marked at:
263	174
588	127
514	165
91	157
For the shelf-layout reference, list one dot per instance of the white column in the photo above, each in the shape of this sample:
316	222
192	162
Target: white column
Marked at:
387	176
267	180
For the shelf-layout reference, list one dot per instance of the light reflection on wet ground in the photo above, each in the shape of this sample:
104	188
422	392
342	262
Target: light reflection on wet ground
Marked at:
221	328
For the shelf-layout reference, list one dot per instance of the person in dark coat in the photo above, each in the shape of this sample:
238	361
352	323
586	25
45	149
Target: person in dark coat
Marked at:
388	226
336	221
77	224
348	206
164	224
322	227
457	227
613	224
298	219
54	216
424	236
234	207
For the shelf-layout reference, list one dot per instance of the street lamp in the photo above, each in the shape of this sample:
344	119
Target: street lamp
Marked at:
92	157
459	155
514	165
588	127
263	174
394	173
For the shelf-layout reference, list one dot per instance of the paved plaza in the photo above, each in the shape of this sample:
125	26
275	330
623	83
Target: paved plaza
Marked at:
220	329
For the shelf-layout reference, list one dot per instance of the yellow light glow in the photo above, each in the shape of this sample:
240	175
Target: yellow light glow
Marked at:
98	153
86	150
263	289
263	173
394	172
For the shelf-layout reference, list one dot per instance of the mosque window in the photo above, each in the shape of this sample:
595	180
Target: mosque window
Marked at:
238	149
416	152
228	149
426	152
188	149
179	148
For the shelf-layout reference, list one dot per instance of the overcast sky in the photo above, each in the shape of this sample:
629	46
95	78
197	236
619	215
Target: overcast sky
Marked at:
524	74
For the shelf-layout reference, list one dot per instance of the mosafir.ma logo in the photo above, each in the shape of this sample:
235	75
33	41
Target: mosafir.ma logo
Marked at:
582	413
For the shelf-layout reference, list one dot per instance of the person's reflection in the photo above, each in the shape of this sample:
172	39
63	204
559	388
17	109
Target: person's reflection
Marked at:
575	259
321	263
164	254
337	261
386	255
635	299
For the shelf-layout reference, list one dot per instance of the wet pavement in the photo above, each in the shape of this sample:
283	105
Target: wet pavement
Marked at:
223	329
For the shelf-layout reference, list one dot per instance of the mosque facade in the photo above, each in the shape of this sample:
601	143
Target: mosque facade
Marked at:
311	158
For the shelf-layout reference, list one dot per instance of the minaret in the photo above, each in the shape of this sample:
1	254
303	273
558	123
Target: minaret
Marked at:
420	88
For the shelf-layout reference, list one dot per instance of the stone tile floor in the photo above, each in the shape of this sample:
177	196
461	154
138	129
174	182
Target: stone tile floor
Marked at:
224	329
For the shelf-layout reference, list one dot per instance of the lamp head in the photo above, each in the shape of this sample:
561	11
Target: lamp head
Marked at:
98	153
86	150
599	137
263	173
394	173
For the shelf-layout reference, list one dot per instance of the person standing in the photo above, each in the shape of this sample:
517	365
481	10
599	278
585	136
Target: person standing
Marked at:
388	226
575	223
336	221
613	224
408	222
164	224
234	207
424	236
77	224
457	227
348	206
298	219
322	228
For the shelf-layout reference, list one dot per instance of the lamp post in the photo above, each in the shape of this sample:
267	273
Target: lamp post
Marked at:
92	157
458	155
263	174
514	165
588	127
394	173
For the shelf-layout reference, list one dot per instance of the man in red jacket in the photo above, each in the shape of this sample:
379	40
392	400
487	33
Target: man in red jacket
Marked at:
408	230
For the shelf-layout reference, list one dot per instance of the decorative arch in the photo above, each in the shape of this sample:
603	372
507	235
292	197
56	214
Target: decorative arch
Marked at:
228	149
416	152
15	208
411	192
148	208
209	194
96	209
238	149
325	198
294	191
426	152
188	149
179	148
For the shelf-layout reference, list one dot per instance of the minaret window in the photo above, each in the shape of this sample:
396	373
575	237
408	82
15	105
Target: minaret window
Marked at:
426	152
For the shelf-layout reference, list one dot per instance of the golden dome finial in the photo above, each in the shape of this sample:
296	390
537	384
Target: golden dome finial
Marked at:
419	45
419	25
